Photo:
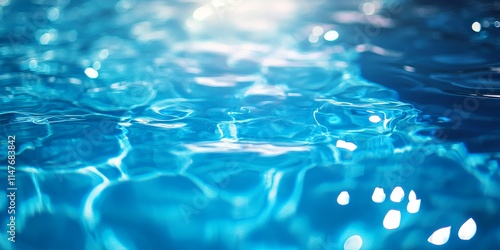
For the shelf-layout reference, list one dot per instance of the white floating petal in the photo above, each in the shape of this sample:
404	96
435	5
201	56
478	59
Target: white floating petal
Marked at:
353	243
378	195
412	196
467	230
440	236
413	206
343	198
397	194
392	219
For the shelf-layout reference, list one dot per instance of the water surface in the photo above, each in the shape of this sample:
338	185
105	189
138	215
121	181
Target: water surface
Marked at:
251	124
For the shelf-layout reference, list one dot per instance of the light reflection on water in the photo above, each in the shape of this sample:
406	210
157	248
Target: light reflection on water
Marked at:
232	124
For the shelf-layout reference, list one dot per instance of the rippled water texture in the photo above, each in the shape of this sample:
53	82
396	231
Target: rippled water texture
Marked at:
251	124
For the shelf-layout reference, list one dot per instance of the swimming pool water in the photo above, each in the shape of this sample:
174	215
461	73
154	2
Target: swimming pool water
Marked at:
243	124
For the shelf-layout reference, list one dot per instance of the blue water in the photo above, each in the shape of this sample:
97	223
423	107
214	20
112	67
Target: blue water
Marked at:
239	124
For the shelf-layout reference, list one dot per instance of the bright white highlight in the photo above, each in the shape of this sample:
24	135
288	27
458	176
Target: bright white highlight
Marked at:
346	145
392	219
91	73
375	119
368	9
397	194
343	198
353	243
476	26
440	237
467	230
274	187
203	12
378	195
331	35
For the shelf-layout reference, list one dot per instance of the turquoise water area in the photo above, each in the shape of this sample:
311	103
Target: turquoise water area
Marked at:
238	124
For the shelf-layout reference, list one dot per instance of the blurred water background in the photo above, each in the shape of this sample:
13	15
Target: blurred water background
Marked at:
251	124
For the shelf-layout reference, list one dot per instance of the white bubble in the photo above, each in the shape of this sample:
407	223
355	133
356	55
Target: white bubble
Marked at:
486	24
476	26
33	64
353	243
53	14
317	31
331	35
313	38
96	65
45	39
103	54
91	73
368	9
48	37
